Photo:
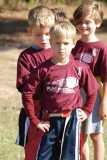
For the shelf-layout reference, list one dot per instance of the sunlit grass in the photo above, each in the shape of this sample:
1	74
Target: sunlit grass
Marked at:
10	104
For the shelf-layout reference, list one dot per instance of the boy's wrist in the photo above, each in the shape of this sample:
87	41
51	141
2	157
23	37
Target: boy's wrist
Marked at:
35	122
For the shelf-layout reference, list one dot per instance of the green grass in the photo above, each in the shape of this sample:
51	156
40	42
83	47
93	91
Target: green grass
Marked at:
10	104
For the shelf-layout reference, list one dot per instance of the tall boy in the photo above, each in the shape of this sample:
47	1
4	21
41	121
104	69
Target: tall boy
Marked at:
57	82
92	52
40	19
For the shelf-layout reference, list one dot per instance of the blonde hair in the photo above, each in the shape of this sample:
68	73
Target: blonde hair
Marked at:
63	29
41	16
90	7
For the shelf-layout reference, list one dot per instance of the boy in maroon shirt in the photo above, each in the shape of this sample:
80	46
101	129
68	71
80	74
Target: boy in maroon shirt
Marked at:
91	51
40	19
57	82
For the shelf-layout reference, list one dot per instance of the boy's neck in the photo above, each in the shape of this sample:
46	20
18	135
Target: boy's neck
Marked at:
88	39
62	62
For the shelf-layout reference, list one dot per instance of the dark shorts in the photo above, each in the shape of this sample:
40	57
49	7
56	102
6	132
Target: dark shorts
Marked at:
50	146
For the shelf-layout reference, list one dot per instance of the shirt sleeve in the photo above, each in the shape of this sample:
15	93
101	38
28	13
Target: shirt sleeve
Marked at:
23	72
88	81
90	100
103	65
90	85
32	87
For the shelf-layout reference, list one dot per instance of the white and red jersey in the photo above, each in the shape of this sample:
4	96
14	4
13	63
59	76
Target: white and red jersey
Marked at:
58	87
93	54
29	59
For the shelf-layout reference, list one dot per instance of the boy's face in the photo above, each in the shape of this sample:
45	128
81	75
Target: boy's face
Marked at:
62	48
87	26
40	36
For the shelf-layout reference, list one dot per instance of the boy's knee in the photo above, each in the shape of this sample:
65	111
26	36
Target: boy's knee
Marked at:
95	136
84	137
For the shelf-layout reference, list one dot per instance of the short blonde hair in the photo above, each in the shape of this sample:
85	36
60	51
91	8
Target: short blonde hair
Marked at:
90	7
41	16
63	29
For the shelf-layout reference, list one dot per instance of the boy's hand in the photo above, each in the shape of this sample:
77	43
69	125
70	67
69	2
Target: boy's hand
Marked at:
103	111
103	105
82	115
44	126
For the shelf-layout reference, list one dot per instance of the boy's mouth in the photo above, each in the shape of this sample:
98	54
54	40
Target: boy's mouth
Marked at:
43	43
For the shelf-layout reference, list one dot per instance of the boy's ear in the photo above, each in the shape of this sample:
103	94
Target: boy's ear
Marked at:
50	41
29	31
98	24
74	43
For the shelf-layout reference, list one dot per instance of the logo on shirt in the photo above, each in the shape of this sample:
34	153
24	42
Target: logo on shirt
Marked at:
95	51
86	57
79	71
63	85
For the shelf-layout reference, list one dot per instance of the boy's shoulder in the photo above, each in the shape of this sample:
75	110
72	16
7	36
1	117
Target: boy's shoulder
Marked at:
43	68
36	53
98	44
77	63
82	69
29	50
45	65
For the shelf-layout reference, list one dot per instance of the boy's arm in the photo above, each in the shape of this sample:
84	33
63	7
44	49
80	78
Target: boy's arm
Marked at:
103	106
33	87
29	109
23	72
90	85
88	108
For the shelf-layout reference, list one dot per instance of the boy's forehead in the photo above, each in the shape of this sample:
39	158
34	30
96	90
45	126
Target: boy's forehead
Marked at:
38	28
85	17
62	38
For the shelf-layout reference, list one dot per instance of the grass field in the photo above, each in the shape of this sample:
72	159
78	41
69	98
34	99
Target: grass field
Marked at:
10	104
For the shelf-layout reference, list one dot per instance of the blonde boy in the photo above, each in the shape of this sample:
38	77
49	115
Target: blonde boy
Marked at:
57	82
40	19
92	52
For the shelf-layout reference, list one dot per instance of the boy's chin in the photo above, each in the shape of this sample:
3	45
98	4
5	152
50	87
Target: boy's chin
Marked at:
46	47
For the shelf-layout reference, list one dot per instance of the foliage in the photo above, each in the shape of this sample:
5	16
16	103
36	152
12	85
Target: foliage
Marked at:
15	4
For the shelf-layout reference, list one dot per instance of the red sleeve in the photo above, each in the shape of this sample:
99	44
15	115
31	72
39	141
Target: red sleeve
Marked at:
88	81
29	109
103	65
90	101
23	71
90	86
32	87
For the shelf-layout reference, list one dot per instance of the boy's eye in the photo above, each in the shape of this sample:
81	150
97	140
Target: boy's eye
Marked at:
47	34
66	43
88	22
81	23
37	34
57	43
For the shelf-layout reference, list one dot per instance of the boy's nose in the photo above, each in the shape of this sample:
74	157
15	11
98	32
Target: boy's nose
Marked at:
43	37
83	24
62	45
